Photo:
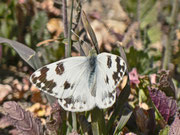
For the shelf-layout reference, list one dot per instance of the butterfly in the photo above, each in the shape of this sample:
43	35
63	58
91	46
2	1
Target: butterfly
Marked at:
83	82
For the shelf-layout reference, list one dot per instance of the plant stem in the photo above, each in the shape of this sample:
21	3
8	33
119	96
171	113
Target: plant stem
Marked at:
74	121
68	52
69	30
139	17
67	34
65	23
169	43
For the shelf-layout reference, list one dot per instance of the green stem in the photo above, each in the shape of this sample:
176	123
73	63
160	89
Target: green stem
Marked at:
69	30
74	119
139	17
169	43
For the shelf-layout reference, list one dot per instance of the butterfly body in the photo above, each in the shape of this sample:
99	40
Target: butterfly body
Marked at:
81	83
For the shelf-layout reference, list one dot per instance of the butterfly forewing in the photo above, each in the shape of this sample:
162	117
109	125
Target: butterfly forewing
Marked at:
111	68
67	80
80	83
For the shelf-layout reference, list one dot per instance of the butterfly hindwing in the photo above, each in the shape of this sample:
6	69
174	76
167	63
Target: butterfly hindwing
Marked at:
111	68
66	80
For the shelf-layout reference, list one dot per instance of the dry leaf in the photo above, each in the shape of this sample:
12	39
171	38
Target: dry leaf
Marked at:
4	91
36	97
55	26
39	110
48	5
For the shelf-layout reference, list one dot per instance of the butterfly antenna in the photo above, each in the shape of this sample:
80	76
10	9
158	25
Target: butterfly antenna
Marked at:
79	37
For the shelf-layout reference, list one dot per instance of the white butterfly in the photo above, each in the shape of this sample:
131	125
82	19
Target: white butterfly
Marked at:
81	83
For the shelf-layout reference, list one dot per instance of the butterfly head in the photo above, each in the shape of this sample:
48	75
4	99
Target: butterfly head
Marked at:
92	53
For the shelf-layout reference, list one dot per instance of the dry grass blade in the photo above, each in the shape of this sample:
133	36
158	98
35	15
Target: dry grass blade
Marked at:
90	31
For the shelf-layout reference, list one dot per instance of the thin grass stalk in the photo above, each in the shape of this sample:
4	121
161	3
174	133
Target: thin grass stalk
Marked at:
74	119
69	30
169	44
139	18
67	34
65	21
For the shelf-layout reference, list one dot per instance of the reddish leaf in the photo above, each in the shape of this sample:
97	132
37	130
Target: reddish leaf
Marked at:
22	120
166	105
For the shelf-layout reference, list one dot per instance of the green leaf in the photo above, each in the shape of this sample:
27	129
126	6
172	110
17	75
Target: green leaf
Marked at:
131	7
98	122
154	33
38	24
150	17
26	53
121	100
126	114
138	59
164	131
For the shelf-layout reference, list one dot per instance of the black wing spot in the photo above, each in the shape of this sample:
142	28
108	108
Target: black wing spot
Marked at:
116	77
48	85
118	74
68	101
41	77
67	85
110	95
109	62
107	79
60	68
118	64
